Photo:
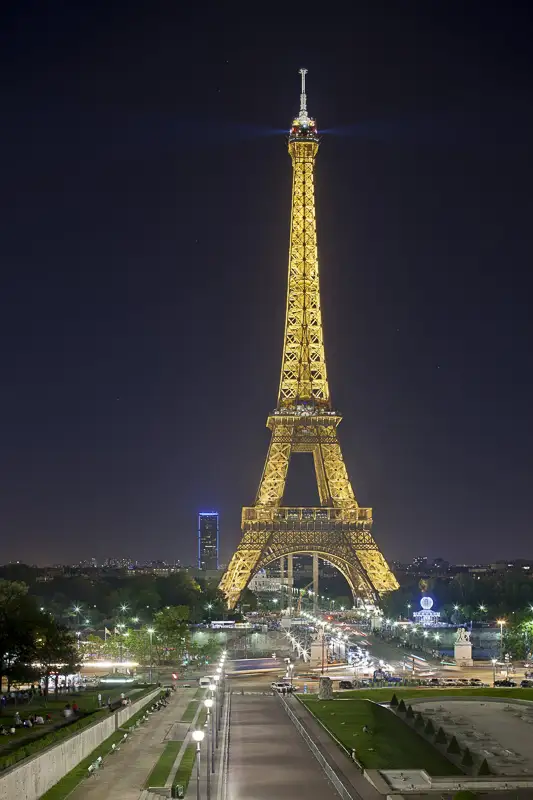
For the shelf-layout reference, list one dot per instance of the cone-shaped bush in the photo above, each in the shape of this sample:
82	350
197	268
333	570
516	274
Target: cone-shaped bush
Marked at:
484	768
401	707
410	713
419	720
467	760
453	747
394	701
429	727
440	738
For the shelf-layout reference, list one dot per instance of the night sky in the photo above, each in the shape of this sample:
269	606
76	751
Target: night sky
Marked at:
145	199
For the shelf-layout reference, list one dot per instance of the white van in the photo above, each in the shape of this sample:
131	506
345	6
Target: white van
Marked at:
205	681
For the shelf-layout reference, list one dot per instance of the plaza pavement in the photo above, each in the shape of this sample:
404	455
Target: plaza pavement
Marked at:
124	773
267	756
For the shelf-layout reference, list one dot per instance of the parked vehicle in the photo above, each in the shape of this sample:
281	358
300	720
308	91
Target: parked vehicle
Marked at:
526	684
281	686
345	685
505	682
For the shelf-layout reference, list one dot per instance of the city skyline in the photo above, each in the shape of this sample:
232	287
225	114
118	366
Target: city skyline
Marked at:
142	314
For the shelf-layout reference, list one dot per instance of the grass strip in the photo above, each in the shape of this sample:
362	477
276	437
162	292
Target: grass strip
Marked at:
161	771
190	711
391	744
183	774
199	693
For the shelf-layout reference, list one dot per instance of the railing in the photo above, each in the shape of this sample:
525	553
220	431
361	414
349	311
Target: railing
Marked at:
269	514
331	774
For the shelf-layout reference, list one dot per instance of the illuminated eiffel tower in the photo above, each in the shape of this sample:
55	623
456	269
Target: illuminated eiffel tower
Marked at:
339	531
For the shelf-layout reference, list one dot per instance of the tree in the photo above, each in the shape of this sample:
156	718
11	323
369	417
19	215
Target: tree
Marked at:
171	634
55	647
19	620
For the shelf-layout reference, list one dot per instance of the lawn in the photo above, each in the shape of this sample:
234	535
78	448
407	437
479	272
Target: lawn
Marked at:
161	771
190	711
391	744
28	741
183	775
384	695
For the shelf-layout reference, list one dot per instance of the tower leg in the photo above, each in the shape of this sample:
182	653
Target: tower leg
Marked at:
290	581
315	583
282	583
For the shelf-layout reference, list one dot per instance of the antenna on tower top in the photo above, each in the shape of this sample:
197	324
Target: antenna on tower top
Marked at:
303	96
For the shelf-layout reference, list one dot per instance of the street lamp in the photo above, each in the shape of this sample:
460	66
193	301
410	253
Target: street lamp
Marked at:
150	631
493	670
209	606
501	623
208	703
198	738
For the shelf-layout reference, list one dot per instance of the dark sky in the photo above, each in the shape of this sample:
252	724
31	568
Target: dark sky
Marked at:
145	198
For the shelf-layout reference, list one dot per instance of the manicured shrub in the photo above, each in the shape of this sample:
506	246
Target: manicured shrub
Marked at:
401	707
410	713
484	768
429	729
394	701
453	747
440	738
419	720
467	760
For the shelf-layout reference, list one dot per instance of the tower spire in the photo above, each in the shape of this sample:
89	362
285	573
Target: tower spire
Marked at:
303	96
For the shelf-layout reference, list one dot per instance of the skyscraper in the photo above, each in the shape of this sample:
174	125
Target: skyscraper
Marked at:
208	540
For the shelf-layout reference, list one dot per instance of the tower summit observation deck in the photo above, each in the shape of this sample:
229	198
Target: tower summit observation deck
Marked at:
339	530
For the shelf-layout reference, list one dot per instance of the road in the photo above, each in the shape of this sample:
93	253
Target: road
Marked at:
267	756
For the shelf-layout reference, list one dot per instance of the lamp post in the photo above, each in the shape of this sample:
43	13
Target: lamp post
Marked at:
150	632
216	679
208	702
212	690
493	660
198	737
501	623
290	667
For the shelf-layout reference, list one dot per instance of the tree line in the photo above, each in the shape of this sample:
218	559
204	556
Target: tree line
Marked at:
32	643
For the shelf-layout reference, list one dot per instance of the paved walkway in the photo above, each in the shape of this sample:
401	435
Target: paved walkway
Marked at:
125	773
267	756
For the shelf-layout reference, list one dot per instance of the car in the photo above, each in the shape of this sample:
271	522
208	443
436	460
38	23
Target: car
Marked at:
477	682
463	682
281	686
345	685
526	684
434	682
450	682
205	681
505	682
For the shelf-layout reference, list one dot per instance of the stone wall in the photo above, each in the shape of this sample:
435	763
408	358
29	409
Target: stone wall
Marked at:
31	778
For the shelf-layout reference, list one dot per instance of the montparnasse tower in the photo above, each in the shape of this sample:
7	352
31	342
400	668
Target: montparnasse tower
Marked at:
339	530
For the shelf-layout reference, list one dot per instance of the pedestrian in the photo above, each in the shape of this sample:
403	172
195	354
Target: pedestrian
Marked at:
109	702
99	700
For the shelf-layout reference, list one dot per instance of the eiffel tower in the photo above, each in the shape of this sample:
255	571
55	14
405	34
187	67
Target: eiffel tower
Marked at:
339	531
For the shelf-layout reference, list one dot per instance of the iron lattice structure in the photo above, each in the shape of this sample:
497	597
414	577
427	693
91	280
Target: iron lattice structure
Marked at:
339	531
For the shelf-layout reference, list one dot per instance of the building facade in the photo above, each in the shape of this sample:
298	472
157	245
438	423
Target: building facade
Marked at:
208	540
